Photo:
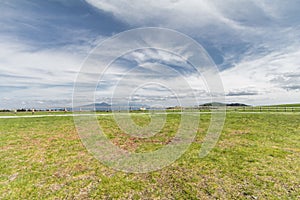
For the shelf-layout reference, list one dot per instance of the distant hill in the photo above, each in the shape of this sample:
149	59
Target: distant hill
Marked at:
236	104
213	104
223	104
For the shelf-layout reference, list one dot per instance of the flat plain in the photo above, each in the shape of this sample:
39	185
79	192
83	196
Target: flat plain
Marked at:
256	157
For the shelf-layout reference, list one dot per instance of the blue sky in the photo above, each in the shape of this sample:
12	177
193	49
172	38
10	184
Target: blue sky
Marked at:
254	43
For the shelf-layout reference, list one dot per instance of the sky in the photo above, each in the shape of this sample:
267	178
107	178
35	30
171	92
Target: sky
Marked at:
255	45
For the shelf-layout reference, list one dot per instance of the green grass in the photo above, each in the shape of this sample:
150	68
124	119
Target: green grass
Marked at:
281	108
257	156
35	113
285	105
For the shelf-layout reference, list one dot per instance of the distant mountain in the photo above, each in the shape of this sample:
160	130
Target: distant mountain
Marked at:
103	104
130	106
95	106
107	107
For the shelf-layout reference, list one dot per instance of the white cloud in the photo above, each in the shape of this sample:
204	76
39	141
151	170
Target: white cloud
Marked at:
167	12
259	41
269	76
36	75
221	22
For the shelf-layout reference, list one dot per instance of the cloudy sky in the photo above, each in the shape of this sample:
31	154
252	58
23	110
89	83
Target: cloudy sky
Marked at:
255	45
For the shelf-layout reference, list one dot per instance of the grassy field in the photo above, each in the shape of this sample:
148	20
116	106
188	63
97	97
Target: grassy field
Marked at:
285	105
30	113
257	157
